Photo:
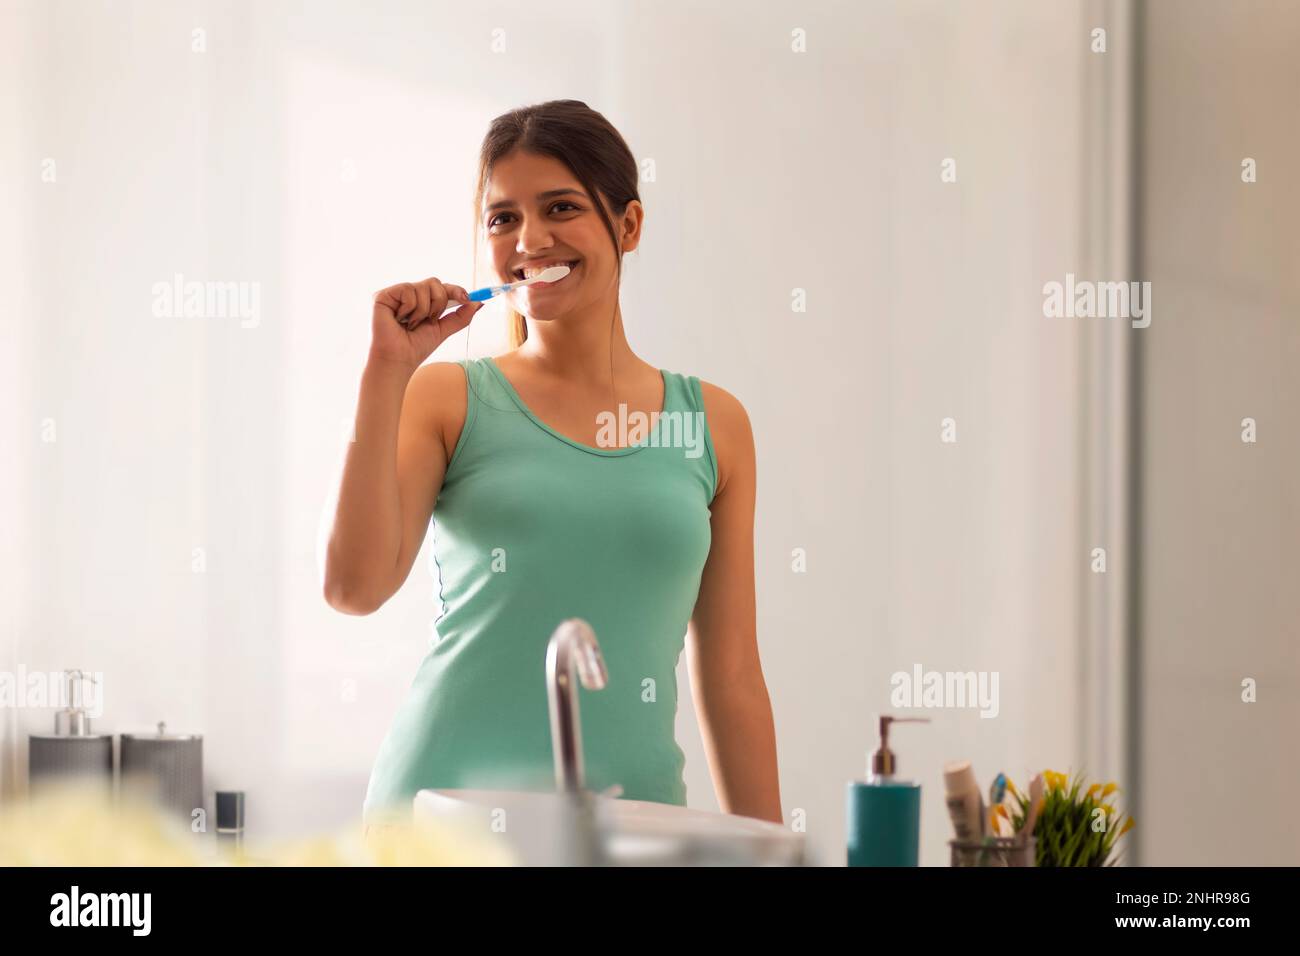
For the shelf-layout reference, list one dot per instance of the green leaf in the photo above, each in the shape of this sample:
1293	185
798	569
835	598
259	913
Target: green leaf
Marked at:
1072	848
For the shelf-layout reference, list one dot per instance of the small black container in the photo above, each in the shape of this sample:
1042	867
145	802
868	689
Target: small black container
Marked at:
230	819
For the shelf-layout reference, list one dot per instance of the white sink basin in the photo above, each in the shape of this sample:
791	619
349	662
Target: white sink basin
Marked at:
543	829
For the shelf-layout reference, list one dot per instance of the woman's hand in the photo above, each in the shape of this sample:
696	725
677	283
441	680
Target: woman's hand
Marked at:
406	326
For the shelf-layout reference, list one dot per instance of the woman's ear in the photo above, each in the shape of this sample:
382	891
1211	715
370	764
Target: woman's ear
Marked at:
633	218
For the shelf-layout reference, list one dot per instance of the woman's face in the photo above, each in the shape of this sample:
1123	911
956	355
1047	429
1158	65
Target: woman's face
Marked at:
536	214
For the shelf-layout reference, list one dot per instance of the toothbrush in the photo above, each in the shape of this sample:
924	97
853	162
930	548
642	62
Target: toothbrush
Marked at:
997	791
1035	798
553	274
989	819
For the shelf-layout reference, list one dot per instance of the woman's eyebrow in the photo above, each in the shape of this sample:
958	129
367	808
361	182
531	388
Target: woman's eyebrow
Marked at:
541	197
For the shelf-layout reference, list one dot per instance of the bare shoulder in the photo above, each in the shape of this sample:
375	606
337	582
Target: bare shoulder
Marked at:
439	394
733	436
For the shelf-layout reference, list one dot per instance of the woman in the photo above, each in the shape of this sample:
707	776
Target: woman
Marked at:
541	517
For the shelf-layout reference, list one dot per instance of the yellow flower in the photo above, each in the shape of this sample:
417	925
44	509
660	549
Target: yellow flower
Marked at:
1110	788
1093	789
1012	787
1128	825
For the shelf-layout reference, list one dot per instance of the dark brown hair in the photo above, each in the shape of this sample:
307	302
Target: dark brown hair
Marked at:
584	141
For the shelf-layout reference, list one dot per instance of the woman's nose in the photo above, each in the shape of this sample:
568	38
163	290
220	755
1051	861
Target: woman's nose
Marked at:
534	237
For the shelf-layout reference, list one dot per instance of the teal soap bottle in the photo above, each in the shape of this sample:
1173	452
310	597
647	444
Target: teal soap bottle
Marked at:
884	811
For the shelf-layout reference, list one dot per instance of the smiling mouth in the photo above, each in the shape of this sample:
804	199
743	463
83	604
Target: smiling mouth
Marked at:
572	264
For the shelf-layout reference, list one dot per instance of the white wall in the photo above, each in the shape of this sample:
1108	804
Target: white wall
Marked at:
1222	517
326	150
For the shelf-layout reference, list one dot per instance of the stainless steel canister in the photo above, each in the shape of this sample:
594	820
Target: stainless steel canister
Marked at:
165	768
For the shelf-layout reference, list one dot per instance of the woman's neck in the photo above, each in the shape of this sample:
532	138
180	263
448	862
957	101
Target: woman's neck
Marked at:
580	350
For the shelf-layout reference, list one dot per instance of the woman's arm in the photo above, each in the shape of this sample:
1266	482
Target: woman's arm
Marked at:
390	482
399	451
727	683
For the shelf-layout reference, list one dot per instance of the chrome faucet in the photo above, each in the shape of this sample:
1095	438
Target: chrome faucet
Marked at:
573	646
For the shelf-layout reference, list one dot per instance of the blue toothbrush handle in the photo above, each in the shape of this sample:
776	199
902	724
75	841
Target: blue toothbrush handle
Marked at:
480	295
487	292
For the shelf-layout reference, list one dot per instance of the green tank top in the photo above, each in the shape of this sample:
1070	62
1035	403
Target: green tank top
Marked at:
531	528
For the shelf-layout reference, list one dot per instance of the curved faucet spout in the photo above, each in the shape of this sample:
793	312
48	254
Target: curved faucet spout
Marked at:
573	647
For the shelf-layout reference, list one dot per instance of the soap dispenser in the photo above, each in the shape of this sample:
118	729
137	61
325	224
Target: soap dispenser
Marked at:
74	750
884	812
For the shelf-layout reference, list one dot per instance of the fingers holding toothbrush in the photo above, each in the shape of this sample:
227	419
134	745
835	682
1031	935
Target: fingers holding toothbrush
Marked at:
408	322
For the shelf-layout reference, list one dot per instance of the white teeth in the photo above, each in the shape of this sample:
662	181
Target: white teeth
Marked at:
538	270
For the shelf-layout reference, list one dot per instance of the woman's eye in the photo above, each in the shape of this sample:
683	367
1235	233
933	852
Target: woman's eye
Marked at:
495	219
